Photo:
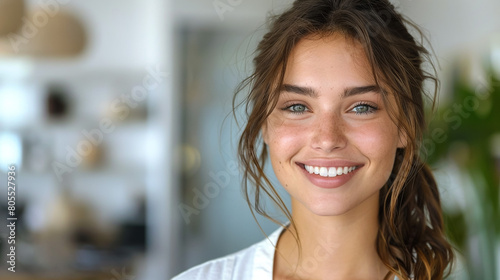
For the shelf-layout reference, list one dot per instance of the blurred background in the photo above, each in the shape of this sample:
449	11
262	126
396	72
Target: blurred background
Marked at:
117	117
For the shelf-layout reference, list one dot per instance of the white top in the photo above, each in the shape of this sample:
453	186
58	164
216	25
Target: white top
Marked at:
253	263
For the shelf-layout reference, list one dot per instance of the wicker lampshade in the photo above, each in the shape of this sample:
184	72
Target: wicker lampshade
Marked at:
62	35
11	14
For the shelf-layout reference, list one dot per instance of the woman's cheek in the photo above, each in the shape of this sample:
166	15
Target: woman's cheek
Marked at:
375	139
288	134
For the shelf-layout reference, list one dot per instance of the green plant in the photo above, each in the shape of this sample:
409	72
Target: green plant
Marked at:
465	132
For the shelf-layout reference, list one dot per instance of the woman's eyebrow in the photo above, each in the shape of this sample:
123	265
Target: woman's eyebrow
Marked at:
360	90
347	92
299	90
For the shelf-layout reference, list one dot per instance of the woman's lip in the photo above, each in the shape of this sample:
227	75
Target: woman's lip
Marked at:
329	182
329	163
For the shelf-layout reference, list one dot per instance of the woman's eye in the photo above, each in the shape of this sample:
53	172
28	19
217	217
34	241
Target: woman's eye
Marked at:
296	108
364	109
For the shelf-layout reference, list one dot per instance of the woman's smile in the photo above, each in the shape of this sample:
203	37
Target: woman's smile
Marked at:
329	173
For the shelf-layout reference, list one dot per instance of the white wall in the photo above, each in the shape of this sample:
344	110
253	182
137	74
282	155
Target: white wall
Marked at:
123	34
455	24
462	33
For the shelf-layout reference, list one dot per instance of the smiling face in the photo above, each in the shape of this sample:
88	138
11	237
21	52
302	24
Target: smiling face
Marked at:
331	140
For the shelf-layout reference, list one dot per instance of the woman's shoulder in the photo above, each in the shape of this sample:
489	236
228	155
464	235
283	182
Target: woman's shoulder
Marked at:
254	262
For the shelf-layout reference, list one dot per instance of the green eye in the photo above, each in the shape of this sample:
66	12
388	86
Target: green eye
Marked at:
364	109
360	109
296	108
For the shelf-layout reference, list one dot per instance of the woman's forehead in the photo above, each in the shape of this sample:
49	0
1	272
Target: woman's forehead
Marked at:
330	61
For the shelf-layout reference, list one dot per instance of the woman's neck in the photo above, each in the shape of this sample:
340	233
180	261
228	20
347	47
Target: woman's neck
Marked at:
333	247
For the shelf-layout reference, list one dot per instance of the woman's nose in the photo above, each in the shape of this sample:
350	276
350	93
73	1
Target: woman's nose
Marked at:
328	133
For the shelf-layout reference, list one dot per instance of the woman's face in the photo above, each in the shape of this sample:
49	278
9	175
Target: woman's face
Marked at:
331	141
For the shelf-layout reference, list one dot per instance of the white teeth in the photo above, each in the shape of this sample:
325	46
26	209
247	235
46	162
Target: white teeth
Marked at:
332	172
329	171
339	170
323	171
316	170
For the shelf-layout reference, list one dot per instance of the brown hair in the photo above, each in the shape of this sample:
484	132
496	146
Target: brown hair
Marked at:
411	240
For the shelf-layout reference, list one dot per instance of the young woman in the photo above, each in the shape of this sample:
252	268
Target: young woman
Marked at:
336	103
